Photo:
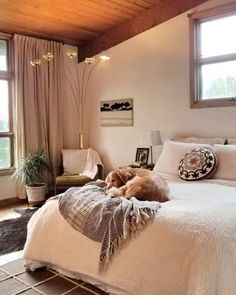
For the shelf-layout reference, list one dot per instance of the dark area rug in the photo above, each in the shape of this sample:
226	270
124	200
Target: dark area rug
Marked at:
15	279
13	231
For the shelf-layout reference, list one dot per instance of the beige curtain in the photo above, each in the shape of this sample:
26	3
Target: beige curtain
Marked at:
38	96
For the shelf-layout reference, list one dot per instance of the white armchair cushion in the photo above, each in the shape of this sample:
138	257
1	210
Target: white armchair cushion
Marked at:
74	161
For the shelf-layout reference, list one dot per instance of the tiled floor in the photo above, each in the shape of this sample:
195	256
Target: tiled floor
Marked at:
15	279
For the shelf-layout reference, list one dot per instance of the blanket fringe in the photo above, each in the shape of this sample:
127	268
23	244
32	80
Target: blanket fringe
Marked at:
106	257
131	231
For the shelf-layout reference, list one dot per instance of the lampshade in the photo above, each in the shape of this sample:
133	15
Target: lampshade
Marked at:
155	137
151	138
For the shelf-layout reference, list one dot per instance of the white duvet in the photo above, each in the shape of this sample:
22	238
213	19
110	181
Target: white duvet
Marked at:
189	249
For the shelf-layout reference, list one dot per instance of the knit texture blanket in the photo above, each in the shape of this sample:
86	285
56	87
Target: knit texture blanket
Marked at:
110	221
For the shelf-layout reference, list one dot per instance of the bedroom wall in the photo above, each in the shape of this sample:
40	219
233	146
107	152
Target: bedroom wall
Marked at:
153	69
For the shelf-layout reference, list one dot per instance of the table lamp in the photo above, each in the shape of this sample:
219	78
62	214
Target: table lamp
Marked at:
155	139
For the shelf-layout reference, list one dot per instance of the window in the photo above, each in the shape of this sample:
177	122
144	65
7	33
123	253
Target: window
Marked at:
6	135
213	57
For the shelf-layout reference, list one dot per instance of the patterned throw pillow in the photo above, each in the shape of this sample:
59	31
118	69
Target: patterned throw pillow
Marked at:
198	164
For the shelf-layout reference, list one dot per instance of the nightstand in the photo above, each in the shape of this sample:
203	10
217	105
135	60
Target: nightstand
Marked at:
148	166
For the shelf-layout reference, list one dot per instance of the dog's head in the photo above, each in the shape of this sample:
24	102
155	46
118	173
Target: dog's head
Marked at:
118	177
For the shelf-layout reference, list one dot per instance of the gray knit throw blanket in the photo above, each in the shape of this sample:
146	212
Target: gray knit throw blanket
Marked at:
110	221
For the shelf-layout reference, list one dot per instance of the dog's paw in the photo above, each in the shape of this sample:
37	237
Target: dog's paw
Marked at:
114	192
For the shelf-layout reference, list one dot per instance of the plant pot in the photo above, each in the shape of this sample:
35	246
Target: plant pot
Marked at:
36	193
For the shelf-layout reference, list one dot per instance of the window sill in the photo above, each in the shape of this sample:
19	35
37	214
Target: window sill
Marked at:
212	103
5	172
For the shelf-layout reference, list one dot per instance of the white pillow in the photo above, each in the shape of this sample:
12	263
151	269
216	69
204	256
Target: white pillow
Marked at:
201	140
230	140
74	161
226	155
172	153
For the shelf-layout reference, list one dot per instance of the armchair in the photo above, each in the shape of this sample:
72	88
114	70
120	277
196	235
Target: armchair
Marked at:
78	168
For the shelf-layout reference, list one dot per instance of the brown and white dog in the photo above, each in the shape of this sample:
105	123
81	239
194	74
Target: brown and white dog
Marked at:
142	184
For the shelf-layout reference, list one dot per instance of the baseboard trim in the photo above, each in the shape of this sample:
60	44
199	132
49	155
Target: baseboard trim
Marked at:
10	201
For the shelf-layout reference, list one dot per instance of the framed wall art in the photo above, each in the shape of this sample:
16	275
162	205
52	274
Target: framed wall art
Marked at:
116	112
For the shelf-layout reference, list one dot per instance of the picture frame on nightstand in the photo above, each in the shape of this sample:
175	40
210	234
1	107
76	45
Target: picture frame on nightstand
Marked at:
142	156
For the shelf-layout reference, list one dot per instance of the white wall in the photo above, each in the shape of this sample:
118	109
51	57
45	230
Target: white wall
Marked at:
153	69
7	188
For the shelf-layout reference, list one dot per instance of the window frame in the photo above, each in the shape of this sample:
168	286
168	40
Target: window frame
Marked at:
8	76
195	61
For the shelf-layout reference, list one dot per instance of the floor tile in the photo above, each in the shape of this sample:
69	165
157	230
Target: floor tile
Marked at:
93	288
55	286
34	277
29	292
14	267
3	275
79	291
77	281
11	286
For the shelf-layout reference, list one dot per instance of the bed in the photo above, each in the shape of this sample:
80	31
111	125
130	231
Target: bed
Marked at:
189	248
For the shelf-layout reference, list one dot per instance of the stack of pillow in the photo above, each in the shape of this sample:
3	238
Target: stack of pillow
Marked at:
195	161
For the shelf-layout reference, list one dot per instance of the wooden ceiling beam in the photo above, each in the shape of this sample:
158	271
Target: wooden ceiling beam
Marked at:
163	11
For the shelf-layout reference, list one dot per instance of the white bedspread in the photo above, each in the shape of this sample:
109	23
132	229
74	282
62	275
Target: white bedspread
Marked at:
189	249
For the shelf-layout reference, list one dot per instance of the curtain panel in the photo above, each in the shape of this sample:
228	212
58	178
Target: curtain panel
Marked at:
38	96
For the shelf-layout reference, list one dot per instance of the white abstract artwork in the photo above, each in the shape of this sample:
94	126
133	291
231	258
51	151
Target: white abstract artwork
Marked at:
116	112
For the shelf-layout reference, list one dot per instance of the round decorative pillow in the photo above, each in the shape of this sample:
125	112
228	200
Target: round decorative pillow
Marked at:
198	164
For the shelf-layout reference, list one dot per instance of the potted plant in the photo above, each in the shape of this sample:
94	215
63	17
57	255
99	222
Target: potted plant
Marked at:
31	172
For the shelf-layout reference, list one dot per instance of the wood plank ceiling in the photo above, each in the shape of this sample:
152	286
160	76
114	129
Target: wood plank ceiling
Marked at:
87	23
